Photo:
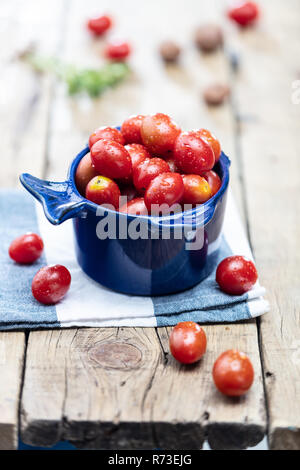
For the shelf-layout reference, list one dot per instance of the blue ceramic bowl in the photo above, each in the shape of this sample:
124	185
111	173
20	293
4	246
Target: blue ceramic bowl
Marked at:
167	261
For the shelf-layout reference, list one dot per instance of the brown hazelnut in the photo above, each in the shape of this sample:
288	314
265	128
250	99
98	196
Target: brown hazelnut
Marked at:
209	37
216	94
169	51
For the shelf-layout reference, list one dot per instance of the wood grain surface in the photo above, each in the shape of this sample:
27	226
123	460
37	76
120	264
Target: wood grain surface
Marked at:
120	388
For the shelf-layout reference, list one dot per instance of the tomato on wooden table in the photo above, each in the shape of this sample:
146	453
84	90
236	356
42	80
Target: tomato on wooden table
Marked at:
110	133
135	207
213	180
187	342
165	190
131	129
233	373
192	154
196	189
146	171
117	50
159	133
244	13
111	159
26	249
50	284
98	26
102	190
236	275
84	173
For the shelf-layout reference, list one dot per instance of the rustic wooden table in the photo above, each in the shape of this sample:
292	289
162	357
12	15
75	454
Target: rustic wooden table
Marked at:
53	386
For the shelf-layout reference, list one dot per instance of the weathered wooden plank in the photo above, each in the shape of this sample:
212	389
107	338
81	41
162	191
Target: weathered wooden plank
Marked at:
227	423
270	151
12	347
77	392
89	387
23	123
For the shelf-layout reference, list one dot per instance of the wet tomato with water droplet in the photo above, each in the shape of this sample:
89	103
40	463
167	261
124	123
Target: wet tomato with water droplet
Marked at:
192	154
211	140
213	180
109	133
50	284
131	129
159	134
138	153
102	190
196	189
187	342
236	275
135	207
111	159
233	373
146	171
164	191
26	249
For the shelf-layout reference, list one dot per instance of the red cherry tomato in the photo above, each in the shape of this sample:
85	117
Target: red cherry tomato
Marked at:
213	180
135	207
26	249
187	342
196	189
236	275
192	154
233	373
109	133
166	189
244	13
172	165
84	173
99	25
138	153
159	133
51	283
212	141
117	50
102	190
131	129
146	171
111	159
129	192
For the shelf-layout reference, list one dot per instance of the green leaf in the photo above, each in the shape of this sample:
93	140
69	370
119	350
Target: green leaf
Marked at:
91	81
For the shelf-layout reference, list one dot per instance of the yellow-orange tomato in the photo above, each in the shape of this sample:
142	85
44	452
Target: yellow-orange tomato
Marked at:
102	190
196	189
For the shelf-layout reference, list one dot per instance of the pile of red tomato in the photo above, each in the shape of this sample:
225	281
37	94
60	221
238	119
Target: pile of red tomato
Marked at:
151	162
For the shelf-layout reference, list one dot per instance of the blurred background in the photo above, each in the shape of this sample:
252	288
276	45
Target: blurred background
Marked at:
42	127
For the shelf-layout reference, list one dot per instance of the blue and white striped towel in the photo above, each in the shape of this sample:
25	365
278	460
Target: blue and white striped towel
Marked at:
89	304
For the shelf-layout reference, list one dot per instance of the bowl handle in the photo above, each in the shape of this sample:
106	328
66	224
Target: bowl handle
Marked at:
59	200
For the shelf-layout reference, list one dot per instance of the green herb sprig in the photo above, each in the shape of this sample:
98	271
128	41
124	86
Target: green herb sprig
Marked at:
91	81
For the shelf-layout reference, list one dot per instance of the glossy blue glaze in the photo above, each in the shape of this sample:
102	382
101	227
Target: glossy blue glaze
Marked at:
152	266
